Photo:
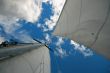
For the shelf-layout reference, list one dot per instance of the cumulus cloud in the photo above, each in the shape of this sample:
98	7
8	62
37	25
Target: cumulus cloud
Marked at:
57	6
60	41
1	39
60	52
24	9
84	50
11	11
47	38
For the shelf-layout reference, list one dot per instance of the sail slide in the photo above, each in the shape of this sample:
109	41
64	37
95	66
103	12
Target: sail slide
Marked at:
34	61
87	22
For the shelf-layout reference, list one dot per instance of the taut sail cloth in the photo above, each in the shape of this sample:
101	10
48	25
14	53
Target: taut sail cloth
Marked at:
87	22
35	61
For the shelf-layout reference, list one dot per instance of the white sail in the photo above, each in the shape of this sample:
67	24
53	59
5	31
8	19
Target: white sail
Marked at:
34	61
87	22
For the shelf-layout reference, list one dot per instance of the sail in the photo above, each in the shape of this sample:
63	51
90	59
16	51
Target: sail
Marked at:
34	61
86	22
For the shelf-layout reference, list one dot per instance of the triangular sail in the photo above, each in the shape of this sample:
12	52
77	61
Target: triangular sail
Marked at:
87	22
34	61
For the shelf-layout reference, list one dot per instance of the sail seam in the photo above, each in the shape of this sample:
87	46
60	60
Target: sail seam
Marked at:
101	27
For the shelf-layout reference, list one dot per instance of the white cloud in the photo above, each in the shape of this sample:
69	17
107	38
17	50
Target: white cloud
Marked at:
24	9
62	52
82	49
85	51
59	51
13	10
9	25
57	6
23	36
60	41
76	45
45	0
47	37
1	39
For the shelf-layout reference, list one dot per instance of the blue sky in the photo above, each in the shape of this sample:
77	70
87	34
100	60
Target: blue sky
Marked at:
66	57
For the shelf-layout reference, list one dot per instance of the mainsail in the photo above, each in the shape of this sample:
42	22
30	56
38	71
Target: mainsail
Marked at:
36	60
87	22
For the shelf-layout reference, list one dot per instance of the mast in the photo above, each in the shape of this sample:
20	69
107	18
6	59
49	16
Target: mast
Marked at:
87	22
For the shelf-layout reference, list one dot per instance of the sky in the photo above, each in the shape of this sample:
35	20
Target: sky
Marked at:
15	15
36	20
